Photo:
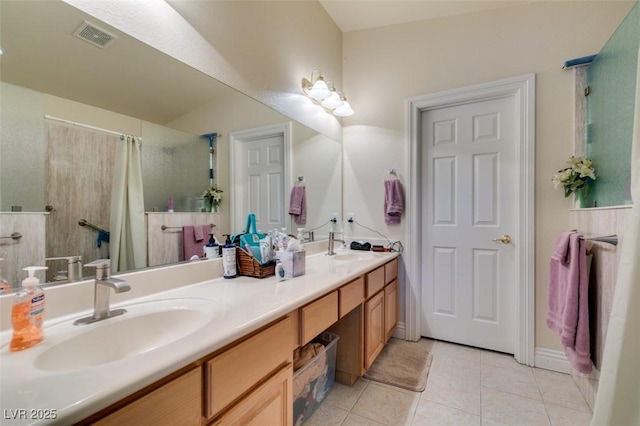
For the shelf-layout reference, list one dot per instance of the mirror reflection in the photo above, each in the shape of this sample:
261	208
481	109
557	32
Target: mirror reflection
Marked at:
65	105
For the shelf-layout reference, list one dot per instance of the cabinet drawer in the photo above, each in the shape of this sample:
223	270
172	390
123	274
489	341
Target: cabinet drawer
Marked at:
351	295
375	281
391	271
238	369
318	316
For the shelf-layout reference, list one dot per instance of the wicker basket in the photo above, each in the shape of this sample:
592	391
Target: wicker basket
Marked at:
250	267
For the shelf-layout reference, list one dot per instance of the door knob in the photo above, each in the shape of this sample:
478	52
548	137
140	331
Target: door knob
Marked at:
505	239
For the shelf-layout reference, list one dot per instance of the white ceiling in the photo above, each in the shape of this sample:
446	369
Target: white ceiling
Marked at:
352	15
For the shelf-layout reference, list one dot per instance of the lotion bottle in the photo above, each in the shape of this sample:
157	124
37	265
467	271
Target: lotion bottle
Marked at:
229	258
4	284
27	314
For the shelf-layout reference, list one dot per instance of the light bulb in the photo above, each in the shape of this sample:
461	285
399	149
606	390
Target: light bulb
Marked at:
333	101
344	110
320	90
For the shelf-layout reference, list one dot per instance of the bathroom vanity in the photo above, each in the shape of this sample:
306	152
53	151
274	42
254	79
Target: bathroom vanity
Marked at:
234	368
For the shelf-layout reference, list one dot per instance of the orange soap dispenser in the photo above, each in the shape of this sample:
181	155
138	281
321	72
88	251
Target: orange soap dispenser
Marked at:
4	284
27	314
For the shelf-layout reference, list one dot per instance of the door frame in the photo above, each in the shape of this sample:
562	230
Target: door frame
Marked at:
236	139
522	88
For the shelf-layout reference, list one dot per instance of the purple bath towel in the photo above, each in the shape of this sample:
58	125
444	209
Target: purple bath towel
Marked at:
298	204
393	201
568	313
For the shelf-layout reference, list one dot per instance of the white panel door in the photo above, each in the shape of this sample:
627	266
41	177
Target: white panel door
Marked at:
469	183
263	160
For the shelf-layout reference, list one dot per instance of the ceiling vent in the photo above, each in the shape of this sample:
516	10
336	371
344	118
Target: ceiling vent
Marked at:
94	35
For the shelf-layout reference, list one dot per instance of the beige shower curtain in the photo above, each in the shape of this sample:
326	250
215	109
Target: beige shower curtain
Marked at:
617	400
128	241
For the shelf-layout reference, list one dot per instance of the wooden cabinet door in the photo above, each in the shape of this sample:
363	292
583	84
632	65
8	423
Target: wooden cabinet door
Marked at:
271	404
390	308
176	402
374	332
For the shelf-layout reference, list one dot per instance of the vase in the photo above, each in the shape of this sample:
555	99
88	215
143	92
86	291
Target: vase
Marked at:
210	206
581	199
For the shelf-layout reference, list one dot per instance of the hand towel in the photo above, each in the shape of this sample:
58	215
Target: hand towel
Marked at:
190	245
298	204
199	232
393	201
103	237
568	313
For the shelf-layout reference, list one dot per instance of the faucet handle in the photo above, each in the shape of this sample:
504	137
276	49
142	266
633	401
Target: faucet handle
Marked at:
70	259
99	264
103	268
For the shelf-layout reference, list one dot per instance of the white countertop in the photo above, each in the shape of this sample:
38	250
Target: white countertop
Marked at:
242	305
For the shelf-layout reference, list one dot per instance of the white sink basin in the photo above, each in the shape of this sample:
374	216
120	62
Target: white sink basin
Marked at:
354	256
144	327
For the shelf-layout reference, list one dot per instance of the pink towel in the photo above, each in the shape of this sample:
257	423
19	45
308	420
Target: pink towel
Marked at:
568	313
393	201
190	243
298	204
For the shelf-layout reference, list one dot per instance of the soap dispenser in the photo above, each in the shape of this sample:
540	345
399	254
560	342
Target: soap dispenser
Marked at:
4	284
229	259
27	314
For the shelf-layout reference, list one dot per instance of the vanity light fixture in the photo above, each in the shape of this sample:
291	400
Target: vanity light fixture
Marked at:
316	88
326	95
343	110
332	101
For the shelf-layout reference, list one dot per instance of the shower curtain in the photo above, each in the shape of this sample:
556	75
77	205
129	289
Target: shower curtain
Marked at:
128	241
619	387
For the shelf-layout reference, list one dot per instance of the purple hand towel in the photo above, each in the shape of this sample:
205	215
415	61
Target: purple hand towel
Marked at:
190	244
298	204
393	201
568	313
199	232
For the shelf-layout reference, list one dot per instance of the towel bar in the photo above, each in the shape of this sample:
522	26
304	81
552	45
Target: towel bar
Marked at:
83	222
609	239
164	227
13	236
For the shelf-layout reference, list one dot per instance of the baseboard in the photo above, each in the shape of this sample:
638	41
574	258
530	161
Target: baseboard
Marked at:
553	360
400	331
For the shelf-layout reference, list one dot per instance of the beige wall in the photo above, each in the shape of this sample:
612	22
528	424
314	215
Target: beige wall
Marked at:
262	48
383	67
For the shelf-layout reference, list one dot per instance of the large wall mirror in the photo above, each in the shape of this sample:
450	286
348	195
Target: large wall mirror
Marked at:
58	95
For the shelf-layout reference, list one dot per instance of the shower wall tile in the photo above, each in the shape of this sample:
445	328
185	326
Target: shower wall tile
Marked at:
26	251
166	246
603	275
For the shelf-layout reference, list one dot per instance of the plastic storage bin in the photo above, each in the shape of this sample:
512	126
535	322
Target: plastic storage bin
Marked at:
312	383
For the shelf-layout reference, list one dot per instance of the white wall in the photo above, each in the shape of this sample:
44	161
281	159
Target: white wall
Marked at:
385	66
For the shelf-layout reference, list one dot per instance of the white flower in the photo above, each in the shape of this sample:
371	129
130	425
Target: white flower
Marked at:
575	177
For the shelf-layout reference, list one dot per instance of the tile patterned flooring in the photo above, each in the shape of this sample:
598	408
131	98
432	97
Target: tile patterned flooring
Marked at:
466	386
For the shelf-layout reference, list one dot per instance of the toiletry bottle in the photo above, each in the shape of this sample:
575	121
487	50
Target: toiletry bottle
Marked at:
229	258
27	314
211	249
4	284
170	205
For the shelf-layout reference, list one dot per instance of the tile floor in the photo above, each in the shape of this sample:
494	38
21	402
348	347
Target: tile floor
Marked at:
466	386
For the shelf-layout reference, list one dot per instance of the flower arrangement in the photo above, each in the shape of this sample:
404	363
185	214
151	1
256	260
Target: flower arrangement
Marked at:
576	177
213	196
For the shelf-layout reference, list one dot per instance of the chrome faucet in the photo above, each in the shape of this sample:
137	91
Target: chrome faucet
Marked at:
74	266
103	284
333	239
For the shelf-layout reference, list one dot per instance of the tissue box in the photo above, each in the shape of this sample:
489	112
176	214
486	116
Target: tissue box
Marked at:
293	262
